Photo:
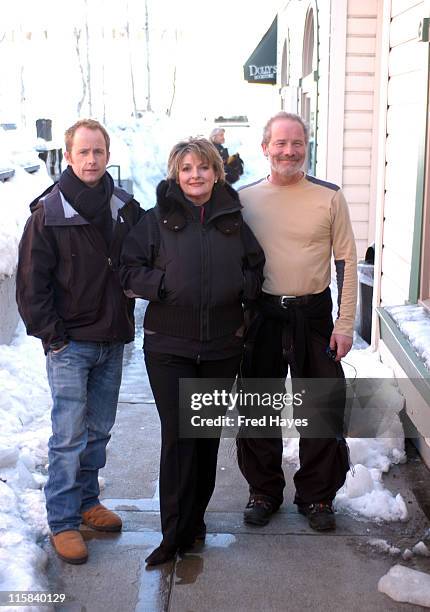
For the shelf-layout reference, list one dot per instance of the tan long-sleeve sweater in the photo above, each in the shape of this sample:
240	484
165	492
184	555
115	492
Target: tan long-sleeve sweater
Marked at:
299	227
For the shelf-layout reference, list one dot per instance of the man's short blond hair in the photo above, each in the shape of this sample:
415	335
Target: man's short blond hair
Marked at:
201	148
91	124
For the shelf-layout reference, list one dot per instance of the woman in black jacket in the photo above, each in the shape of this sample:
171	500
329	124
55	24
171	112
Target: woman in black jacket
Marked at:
196	261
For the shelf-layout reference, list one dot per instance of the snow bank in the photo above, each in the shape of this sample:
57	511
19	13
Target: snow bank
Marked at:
407	585
414	323
15	196
24	415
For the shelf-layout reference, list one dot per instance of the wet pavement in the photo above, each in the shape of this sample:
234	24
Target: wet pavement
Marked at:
283	566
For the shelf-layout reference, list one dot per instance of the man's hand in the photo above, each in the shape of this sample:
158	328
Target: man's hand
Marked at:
341	344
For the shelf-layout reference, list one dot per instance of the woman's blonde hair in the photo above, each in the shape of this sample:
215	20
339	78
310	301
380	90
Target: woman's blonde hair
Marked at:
201	148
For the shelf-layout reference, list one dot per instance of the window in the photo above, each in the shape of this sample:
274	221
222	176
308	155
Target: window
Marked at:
308	84
425	244
285	68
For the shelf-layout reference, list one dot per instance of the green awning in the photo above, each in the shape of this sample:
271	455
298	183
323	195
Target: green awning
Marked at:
261	65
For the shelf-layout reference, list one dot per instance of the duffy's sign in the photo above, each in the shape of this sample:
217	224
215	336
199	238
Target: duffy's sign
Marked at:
261	65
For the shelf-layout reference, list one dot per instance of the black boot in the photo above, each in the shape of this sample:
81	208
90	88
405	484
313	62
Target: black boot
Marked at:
160	555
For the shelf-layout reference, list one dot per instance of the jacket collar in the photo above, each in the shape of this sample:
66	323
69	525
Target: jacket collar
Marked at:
175	210
58	211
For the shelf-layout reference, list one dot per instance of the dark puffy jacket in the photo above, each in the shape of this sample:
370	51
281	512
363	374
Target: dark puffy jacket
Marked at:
67	279
233	164
195	275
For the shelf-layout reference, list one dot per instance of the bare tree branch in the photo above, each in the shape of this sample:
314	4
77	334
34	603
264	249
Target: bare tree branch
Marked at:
87	36
103	76
21	74
169	110
77	34
130	63
23	99
148	64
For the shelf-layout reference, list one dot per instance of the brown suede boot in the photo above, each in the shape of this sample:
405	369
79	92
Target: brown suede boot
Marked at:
102	519
70	547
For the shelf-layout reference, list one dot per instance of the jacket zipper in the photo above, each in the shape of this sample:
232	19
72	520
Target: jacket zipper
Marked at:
204	286
112	269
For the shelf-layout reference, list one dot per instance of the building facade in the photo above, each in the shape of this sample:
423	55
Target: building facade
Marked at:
358	71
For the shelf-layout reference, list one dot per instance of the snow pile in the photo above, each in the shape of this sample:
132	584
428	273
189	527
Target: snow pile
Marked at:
24	415
15	196
414	323
407	585
364	493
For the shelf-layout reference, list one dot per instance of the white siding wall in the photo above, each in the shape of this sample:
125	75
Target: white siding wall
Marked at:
403	130
360	114
323	89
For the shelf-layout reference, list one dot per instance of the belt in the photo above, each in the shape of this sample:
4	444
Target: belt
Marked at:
284	301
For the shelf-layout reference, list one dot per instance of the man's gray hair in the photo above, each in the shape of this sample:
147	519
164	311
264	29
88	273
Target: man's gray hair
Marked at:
267	130
215	132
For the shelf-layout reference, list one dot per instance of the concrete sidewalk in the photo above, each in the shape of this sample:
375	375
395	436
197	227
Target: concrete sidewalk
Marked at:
283	566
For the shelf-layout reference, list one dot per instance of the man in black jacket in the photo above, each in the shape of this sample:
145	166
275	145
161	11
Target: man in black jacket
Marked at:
69	296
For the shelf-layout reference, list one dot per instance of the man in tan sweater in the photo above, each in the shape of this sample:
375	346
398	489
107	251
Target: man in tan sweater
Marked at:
300	222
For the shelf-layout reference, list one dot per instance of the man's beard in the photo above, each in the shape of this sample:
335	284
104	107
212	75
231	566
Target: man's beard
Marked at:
290	170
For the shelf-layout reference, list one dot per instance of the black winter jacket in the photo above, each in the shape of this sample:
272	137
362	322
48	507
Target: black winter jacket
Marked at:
195	275
67	279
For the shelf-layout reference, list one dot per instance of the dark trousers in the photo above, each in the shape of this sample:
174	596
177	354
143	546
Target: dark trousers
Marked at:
323	461
187	465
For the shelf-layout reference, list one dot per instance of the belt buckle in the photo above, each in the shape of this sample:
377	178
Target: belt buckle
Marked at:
283	300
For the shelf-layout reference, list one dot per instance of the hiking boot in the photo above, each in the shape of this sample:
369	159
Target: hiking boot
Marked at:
100	518
70	547
320	516
258	510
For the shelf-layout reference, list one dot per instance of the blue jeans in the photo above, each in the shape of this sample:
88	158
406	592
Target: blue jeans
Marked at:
85	378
